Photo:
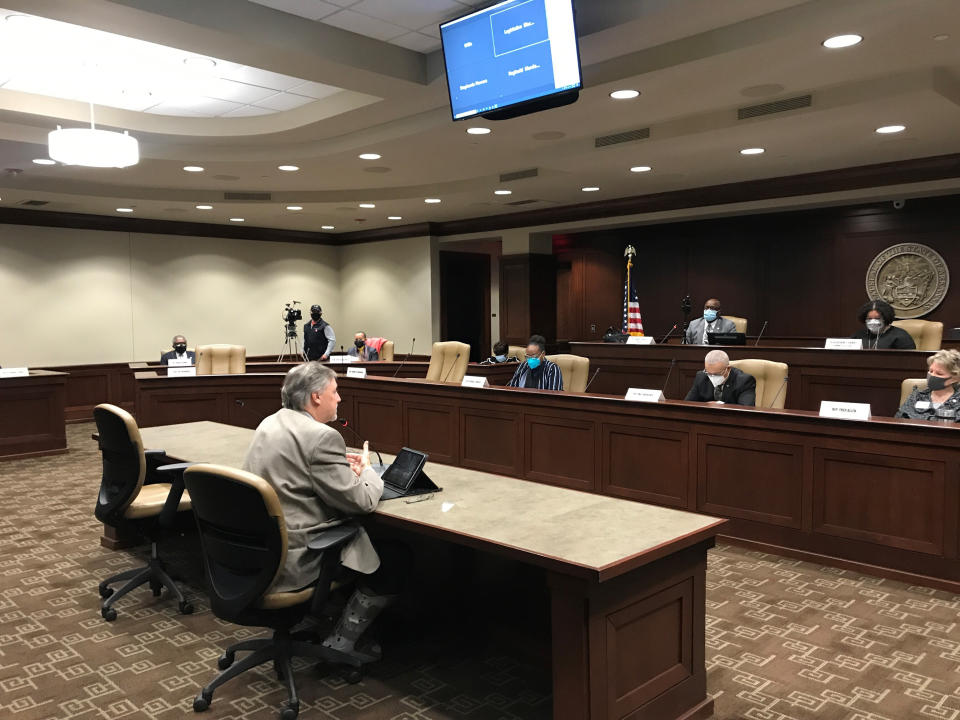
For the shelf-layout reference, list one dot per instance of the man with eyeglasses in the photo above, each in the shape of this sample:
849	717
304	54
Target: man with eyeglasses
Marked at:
720	383
535	370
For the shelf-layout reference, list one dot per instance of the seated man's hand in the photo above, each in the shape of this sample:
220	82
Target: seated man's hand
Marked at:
356	463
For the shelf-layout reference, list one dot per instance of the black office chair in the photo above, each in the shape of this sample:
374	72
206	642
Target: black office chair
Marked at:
243	538
126	502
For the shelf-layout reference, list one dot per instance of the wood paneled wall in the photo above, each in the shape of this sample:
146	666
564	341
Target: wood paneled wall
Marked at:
802	271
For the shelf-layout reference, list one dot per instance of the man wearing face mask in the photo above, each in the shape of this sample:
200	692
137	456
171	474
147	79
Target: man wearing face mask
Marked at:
940	401
535	370
877	332
319	339
179	352
718	382
710	322
361	351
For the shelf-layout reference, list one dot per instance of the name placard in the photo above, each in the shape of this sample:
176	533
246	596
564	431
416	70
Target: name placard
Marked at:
474	381
342	359
187	371
644	395
843	344
14	372
357	372
640	340
179	362
844	410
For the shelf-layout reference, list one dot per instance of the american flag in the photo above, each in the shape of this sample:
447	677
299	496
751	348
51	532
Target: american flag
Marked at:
632	322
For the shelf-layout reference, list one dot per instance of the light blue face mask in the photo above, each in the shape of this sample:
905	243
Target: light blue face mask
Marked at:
534	363
710	315
501	358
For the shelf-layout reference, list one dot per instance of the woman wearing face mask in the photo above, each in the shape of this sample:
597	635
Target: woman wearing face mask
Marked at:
941	399
499	355
877	332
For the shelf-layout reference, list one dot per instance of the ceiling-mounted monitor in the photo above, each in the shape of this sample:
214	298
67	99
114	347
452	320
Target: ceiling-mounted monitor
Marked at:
513	58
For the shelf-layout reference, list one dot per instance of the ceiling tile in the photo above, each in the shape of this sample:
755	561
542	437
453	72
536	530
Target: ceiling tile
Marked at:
202	107
364	25
256	76
237	91
284	101
344	3
418	42
411	14
248	111
431	30
310	9
314	90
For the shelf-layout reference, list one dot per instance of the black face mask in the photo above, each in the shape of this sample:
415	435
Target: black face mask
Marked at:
315	316
358	343
935	382
180	349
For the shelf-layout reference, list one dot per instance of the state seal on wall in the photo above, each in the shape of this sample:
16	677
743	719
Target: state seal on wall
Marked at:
913	278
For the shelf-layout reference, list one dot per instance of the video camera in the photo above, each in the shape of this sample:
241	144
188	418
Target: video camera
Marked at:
291	314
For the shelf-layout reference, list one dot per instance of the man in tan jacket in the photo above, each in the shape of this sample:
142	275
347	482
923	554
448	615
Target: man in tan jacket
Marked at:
319	485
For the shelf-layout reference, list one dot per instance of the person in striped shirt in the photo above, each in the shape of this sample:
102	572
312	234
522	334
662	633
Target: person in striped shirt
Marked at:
535	370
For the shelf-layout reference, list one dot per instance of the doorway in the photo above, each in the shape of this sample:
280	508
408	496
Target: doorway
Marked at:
465	301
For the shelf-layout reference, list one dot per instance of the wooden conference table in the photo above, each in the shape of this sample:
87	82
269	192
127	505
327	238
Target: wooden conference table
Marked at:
31	415
864	376
627	580
882	496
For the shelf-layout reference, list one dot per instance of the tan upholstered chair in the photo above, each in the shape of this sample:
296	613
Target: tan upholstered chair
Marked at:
221	360
769	376
517	351
575	369
926	334
445	364
906	387
386	351
739	322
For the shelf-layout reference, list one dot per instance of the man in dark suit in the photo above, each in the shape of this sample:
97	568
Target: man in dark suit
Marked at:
179	352
720	383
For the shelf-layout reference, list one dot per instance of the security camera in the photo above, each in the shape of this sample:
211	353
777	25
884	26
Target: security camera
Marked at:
898	204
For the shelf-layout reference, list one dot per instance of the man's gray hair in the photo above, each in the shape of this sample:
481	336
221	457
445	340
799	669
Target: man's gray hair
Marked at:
302	382
716	356
173	341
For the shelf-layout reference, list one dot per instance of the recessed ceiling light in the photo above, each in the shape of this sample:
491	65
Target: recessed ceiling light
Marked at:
288	168
941	37
44	161
294	208
752	151
394	217
236	219
641	168
368	156
478	131
885	130
503	192
431	200
124	209
624	94
328	227
591	188
204	207
368	206
192	168
199	63
842	41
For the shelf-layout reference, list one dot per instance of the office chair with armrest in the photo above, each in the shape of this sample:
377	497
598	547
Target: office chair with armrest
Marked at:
243	538
907	386
125	501
926	334
517	351
445	363
575	371
770	376
739	322
386	351
221	360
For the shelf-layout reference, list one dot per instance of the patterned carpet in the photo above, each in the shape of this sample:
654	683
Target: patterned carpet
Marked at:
786	640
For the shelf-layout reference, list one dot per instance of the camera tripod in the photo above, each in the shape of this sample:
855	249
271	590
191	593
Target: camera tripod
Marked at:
290	345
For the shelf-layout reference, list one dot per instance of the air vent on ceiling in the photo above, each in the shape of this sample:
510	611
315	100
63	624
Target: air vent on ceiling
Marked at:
522	202
34	203
252	196
519	175
777	106
617	138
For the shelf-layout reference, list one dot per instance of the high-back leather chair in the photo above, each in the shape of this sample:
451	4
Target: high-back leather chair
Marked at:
243	539
575	371
517	351
124	501
926	334
770	376
445	364
740	323
386	351
221	360
907	386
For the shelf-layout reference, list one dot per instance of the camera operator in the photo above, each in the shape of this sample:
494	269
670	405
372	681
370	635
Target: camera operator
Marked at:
319	339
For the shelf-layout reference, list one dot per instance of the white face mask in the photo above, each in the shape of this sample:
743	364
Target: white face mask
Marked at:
874	325
717	380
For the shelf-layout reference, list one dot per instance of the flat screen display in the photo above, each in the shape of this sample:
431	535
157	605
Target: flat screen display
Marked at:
510	53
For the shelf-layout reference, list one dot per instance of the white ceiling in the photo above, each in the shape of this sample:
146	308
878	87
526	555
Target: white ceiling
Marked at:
695	62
